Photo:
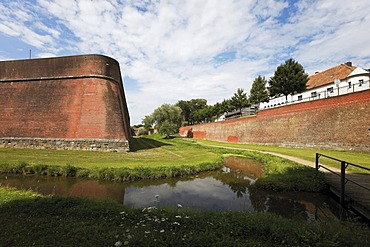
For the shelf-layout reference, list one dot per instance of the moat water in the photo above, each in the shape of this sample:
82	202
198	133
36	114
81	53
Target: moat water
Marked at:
228	188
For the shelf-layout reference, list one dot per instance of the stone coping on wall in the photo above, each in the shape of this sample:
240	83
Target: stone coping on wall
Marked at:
103	145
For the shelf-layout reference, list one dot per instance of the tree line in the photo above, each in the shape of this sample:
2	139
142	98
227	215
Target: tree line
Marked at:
288	79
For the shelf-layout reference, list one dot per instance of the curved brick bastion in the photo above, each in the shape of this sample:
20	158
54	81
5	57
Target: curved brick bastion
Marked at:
341	123
74	102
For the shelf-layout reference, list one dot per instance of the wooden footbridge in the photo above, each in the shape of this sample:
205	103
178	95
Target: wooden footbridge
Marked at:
352	189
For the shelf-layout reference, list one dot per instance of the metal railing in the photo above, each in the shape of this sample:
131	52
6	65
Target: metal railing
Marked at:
343	179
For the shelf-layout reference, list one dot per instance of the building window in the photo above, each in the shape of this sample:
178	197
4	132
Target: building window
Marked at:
330	90
299	97
360	82
349	84
313	94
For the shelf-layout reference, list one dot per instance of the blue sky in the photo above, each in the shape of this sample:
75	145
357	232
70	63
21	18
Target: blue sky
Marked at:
183	49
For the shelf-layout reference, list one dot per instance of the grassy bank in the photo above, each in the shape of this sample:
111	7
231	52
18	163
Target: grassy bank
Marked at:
152	152
29	219
154	158
151	158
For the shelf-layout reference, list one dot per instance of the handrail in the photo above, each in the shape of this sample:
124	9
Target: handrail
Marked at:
342	175
329	157
358	166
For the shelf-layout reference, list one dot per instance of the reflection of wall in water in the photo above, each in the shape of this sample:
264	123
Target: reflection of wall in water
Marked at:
66	186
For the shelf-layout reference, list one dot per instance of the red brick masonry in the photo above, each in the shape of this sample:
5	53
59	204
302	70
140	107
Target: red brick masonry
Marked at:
65	98
341	122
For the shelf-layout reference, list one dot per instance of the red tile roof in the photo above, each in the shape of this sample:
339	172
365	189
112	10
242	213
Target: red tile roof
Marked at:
328	76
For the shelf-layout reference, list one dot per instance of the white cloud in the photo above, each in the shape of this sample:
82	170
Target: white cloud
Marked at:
171	47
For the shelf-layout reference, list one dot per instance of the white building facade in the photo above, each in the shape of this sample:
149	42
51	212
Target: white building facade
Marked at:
339	80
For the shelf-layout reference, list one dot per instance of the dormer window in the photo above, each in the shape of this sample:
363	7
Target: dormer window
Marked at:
313	94
299	97
360	82
349	84
330	90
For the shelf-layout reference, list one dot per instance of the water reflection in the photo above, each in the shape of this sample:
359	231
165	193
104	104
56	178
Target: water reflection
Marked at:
226	189
202	193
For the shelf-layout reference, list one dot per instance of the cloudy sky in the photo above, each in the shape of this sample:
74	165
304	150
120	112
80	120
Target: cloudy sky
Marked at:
183	49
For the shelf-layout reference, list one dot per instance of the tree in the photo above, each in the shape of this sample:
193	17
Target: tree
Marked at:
217	110
205	114
259	91
289	78
190	110
185	109
196	105
148	122
166	118
226	105
240	99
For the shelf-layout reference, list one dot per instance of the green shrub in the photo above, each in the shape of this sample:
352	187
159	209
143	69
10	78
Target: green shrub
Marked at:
54	171
40	169
122	175
106	174
82	173
70	171
20	168
142	131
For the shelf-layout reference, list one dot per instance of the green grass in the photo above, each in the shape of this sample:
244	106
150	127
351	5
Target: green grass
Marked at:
147	152
34	220
358	158
151	158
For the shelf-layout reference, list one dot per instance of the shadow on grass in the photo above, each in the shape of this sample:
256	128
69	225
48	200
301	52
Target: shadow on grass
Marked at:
144	143
57	221
293	179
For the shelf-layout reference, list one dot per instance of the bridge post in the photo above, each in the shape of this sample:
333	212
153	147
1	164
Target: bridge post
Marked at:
342	181
317	161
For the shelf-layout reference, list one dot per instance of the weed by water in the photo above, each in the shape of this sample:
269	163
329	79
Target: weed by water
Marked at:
70	170
40	169
21	168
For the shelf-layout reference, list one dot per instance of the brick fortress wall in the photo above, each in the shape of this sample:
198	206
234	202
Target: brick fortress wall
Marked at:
341	123
74	102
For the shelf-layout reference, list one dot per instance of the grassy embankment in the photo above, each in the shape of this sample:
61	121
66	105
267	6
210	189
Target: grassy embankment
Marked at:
151	158
29	219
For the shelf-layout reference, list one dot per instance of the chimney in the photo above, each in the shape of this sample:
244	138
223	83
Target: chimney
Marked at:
349	64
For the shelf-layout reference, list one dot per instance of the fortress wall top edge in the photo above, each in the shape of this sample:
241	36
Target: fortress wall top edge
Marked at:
79	65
